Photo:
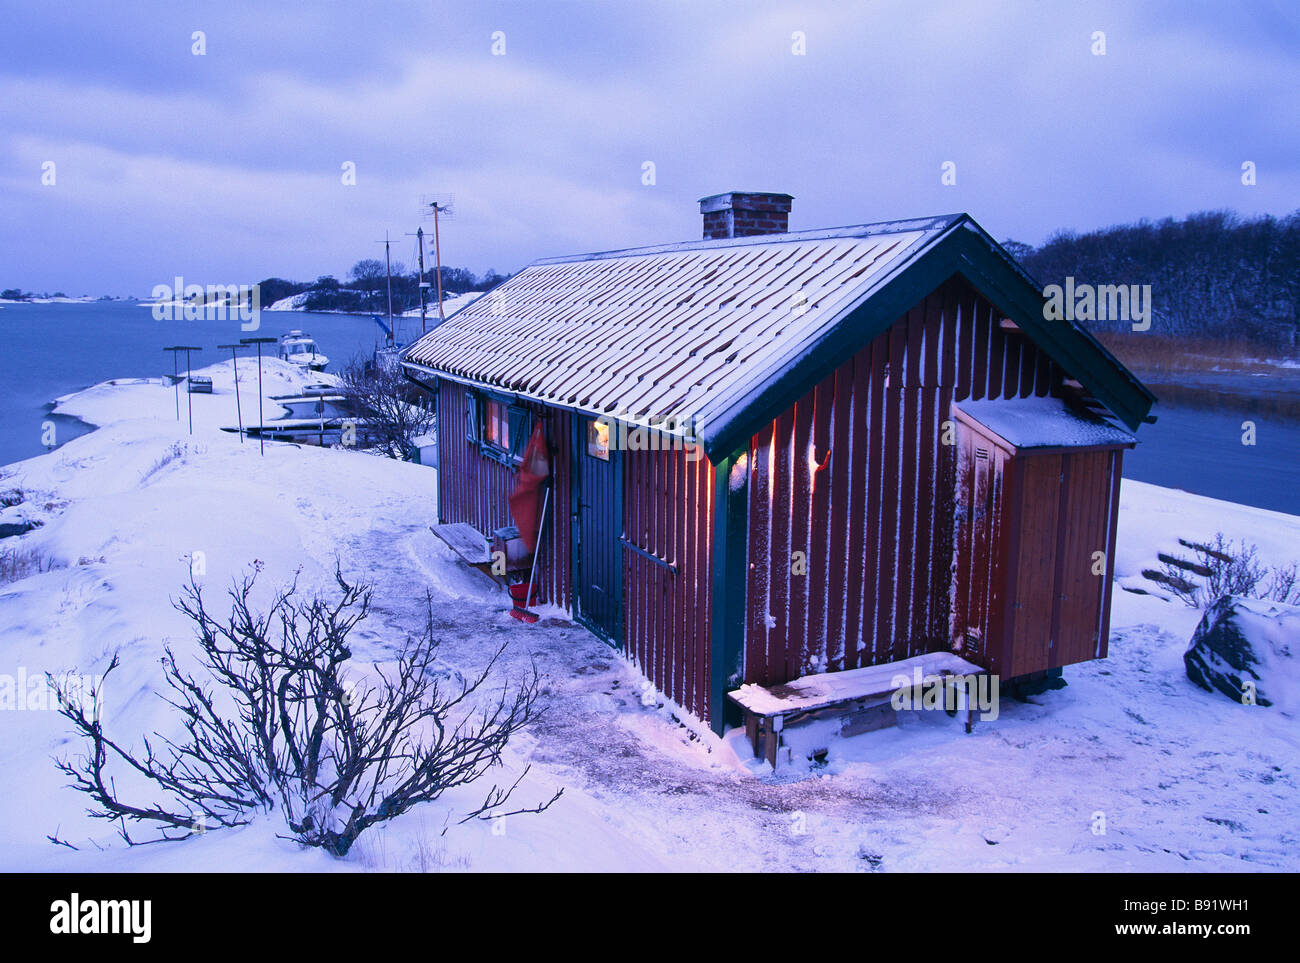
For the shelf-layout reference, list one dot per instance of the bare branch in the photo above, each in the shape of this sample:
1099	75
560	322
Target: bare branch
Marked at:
286	728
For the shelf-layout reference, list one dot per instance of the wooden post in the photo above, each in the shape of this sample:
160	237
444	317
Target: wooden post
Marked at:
176	377
437	257
261	424
234	362
419	235
730	537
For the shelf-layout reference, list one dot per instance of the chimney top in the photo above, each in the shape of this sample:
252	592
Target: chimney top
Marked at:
745	214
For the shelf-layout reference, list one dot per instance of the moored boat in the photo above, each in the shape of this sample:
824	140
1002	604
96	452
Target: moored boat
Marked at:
299	348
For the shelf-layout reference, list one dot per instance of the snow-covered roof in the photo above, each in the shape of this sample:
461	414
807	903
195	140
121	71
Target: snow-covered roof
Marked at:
725	334
1043	423
677	332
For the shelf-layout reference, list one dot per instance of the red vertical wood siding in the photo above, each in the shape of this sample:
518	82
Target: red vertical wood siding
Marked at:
878	515
473	488
668	511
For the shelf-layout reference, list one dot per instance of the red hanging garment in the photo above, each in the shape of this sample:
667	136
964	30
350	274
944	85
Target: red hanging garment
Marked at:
526	499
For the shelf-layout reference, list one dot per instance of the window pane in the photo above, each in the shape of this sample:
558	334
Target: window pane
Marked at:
598	440
497	430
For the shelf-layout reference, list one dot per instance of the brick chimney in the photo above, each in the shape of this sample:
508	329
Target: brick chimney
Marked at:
744	214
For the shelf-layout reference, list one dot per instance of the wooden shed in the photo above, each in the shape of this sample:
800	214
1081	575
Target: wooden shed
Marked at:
779	454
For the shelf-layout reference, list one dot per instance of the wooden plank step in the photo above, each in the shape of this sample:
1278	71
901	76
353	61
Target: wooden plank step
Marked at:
813	692
465	540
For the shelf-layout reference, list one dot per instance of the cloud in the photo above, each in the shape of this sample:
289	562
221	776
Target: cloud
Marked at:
230	163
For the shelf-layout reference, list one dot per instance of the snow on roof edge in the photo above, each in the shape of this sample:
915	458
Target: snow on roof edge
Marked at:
937	223
1048	422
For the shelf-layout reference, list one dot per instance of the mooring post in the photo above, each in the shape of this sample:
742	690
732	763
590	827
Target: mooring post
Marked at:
176	379
234	362
261	424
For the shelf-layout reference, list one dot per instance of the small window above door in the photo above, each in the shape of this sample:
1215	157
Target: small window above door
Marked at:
598	439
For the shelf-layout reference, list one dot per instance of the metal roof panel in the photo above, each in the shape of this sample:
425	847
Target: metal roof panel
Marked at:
686	325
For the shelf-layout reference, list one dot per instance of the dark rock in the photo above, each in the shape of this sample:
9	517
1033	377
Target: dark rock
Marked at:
1022	688
1241	641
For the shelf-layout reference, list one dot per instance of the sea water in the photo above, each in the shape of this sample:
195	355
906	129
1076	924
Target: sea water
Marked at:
50	350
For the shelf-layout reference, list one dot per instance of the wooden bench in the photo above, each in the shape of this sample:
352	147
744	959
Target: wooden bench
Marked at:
476	549
863	695
466	541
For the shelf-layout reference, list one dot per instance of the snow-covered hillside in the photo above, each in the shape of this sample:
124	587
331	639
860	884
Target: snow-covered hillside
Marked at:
1185	779
450	305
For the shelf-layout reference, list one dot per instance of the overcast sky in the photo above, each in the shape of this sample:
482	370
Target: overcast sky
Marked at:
228	167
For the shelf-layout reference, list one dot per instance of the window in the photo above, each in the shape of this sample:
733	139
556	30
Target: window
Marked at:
598	439
471	417
500	430
496	425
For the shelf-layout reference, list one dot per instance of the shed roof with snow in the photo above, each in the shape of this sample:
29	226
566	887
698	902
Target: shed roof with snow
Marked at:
1028	423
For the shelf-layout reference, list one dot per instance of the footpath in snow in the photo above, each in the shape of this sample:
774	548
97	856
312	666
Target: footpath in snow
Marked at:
1181	779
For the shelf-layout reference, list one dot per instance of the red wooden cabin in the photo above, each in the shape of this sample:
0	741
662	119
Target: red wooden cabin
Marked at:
776	454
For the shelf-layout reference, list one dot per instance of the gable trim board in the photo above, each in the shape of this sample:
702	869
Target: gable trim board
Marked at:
967	251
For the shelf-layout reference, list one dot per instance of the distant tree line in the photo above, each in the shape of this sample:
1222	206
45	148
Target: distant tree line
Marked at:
14	294
366	287
1213	274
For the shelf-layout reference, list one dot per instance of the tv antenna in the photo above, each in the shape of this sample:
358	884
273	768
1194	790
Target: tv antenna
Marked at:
437	206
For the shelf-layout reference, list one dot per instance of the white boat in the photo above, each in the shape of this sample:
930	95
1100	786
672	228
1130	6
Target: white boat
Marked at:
298	348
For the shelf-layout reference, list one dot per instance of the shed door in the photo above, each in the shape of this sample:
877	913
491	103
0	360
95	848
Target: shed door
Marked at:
1036	532
978	588
598	528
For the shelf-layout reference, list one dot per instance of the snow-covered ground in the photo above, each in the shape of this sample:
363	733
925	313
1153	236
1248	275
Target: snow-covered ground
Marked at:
83	299
1183	779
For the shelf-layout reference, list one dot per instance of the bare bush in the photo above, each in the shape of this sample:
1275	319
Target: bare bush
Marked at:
395	413
1223	567
288	730
21	561
1284	584
174	451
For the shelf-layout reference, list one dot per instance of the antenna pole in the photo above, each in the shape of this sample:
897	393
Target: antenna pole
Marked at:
437	254
389	261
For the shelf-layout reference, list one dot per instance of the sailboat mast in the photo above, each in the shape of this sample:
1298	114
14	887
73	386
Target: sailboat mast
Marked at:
419	237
